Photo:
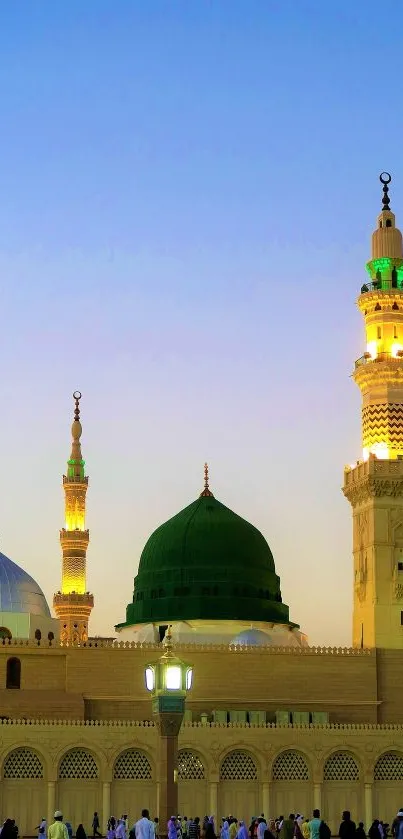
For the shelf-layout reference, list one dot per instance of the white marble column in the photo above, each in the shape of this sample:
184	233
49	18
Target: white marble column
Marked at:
317	796
106	804
368	805
51	801
213	797
266	800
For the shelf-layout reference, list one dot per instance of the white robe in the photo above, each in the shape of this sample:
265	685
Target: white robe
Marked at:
144	829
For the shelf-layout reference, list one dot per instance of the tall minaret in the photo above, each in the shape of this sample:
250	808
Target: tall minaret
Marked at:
73	604
374	486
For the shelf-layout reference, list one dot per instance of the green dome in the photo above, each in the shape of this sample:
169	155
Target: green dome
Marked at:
206	563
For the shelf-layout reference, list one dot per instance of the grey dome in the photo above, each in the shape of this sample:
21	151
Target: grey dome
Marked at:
252	638
19	592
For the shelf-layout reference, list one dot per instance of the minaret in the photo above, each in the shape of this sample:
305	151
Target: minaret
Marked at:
374	486
73	604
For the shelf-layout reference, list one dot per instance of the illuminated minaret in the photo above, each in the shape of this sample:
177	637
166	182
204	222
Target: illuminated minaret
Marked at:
73	604
374	486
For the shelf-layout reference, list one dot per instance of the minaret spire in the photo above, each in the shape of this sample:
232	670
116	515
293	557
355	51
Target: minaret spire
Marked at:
73	604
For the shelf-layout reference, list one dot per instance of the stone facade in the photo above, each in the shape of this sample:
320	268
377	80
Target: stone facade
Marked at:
239	768
78	732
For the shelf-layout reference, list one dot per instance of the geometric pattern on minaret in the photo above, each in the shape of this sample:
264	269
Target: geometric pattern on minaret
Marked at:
374	486
73	603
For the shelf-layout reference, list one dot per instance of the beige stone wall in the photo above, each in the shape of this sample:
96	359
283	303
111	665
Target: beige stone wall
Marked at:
107	682
240	769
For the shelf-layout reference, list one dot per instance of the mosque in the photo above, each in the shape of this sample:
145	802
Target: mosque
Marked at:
271	724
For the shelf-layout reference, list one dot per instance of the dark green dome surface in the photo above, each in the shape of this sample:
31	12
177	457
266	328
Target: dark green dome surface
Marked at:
206	563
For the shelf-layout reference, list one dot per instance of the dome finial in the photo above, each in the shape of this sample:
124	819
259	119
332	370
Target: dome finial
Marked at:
77	396
385	179
206	491
168	645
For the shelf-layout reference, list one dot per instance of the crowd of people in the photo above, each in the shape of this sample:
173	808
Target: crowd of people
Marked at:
295	826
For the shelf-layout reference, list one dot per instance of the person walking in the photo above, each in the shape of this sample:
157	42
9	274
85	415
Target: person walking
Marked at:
58	830
120	831
314	825
360	832
347	828
288	827
41	828
194	828
95	826
261	827
144	827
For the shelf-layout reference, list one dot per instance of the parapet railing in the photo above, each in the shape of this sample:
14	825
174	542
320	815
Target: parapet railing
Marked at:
243	725
232	648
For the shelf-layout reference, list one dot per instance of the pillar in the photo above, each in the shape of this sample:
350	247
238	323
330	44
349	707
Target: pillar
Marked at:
317	796
213	797
167	804
51	801
368	805
266	800
106	804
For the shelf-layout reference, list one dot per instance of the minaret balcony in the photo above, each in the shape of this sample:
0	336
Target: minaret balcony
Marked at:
368	358
75	479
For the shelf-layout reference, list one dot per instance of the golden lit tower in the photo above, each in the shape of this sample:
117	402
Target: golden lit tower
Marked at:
374	486
73	604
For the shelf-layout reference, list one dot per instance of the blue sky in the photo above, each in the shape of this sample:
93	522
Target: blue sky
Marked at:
188	191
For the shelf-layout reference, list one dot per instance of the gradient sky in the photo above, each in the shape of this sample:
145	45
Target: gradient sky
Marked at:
188	190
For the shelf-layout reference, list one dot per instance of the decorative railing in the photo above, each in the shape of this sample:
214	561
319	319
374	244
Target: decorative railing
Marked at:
373	467
334	726
367	358
381	285
232	648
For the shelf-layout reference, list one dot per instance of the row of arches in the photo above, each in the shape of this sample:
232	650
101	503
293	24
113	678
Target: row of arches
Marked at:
237	765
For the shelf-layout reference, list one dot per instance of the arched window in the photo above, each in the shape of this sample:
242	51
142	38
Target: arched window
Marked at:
341	766
238	766
190	767
5	633
78	763
290	766
13	678
389	767
388	222
132	765
22	763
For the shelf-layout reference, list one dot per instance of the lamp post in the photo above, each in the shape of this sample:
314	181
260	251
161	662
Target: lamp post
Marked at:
168	680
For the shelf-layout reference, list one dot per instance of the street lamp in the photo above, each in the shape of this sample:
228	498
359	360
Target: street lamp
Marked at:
169	679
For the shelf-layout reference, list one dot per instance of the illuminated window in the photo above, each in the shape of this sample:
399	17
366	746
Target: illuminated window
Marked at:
173	677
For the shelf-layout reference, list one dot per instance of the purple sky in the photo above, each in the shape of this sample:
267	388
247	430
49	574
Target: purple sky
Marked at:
187	195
